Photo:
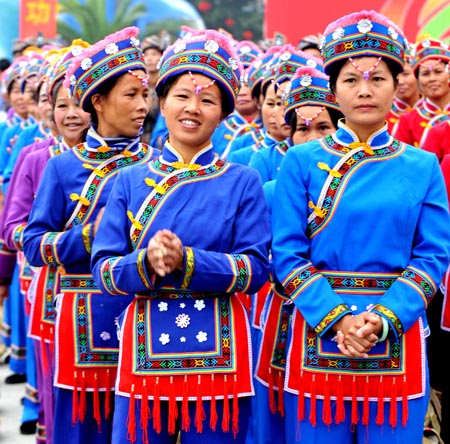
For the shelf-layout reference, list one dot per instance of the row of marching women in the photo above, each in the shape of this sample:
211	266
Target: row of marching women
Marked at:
262	270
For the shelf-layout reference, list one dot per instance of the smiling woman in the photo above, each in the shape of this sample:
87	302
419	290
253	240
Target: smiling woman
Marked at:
190	231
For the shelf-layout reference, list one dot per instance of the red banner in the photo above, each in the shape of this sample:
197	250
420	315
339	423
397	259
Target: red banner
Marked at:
298	18
37	17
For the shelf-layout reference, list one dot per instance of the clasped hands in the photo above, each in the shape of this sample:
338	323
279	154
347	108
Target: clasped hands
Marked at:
164	253
357	334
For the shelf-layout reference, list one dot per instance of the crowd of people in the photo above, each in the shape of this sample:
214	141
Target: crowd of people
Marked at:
208	240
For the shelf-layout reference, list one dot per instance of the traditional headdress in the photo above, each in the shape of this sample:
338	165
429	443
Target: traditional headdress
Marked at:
290	60
309	86
210	53
427	48
365	33
32	71
248	52
60	66
113	56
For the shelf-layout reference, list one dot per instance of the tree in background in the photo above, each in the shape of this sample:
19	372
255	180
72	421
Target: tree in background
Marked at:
92	20
241	18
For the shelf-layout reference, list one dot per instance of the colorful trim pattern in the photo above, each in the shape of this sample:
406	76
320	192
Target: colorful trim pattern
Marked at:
141	266
107	276
189	266
86	237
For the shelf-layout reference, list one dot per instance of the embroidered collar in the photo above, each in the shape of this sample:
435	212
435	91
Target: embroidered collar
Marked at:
345	136
96	142
171	155
431	109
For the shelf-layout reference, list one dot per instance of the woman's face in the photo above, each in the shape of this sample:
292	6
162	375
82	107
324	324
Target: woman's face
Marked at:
122	111
365	103
191	117
44	107
407	87
433	80
70	119
271	108
285	128
17	100
313	122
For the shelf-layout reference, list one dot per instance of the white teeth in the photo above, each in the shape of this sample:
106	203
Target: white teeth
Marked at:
189	122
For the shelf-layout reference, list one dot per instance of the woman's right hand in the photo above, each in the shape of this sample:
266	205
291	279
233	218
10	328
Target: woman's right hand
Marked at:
165	252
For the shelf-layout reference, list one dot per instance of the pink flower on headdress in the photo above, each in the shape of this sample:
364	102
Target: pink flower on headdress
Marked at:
311	63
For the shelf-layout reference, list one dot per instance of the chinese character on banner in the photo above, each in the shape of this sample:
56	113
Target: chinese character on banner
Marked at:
37	17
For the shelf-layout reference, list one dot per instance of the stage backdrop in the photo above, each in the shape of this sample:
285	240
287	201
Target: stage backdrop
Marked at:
297	18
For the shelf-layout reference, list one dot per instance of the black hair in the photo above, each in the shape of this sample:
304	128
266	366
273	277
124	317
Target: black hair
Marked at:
163	91
335	116
103	89
336	67
4	64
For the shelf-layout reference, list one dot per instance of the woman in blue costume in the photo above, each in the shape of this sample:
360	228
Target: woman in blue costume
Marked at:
360	245
109	81
184	234
280	71
312	112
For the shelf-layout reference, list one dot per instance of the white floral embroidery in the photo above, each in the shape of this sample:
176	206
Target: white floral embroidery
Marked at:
182	320
111	48
86	64
202	336
321	42
353	308
73	80
257	64
179	46
163	306
135	42
199	304
338	33
426	43
311	63
182	305
233	63
305	80
182	339
212	46
105	335
364	26
393	33
287	88
76	51
245	49
164	338
285	56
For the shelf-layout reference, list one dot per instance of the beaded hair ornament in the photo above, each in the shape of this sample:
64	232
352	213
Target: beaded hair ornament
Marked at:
364	33
308	87
117	54
208	52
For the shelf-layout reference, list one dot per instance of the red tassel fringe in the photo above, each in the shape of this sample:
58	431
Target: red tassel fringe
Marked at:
199	411
326	413
301	400
108	394
340	409
82	405
354	403
173	410
312	413
393	412
281	393
157	409
272	405
365	415
185	418
380	413
145	412
404	403
213	415
75	399
235	421
131	420
97	414
226	407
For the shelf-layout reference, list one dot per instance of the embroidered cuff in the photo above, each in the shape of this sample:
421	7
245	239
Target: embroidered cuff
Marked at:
188	267
86	235
17	236
142	269
331	318
390	316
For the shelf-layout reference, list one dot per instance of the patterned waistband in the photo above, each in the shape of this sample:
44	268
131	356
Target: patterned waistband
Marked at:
78	284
